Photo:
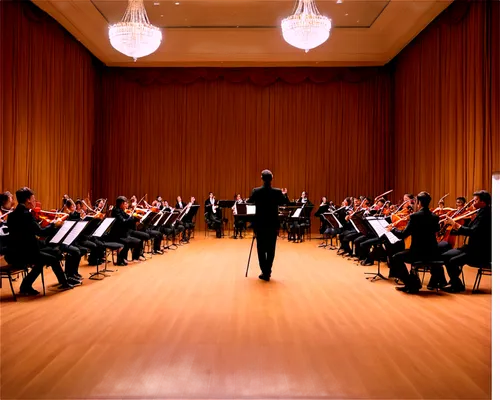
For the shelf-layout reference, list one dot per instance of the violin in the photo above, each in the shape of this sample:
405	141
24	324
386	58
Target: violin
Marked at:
444	233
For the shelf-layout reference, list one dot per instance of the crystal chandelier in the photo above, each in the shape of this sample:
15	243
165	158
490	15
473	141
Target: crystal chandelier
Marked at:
134	36
306	28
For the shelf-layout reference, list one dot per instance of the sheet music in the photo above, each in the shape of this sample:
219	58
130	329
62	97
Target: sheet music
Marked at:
251	209
144	217
379	225
103	227
338	222
62	231
75	232
296	213
353	224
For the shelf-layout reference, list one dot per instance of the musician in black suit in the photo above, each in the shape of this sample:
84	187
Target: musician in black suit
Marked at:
120	232
479	247
266	222
323	208
179	205
23	248
422	227
212	215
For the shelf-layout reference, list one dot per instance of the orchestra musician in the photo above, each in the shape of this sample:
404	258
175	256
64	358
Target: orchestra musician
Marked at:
179	205
6	207
212	214
23	248
422	227
479	247
187	220
298	227
120	232
323	208
266	223
239	221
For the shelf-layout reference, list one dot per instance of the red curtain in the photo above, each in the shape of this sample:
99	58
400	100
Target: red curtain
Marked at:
215	135
47	121
446	104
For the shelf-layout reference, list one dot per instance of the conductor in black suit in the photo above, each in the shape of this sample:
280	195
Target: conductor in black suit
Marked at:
266	222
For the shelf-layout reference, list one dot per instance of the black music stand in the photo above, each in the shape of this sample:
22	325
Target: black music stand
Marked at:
335	224
378	226
101	230
170	221
249	212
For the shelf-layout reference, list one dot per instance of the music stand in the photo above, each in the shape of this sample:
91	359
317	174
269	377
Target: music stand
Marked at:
378	226
334	223
101	230
170	221
250	210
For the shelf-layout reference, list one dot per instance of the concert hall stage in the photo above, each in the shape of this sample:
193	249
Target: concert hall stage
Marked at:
188	324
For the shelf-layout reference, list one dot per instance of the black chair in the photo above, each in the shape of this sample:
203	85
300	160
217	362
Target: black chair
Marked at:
8	271
424	267
482	269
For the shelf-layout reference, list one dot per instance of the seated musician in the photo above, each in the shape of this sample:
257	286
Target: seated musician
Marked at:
363	244
80	208
298	227
346	239
323	208
5	209
212	214
459	204
134	231
479	247
120	232
179	205
422	227
23	246
188	220
239	221
354	203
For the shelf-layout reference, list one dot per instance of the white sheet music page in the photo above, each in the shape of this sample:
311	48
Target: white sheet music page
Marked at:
75	232
103	227
62	231
338	222
251	209
377	226
144	217
296	213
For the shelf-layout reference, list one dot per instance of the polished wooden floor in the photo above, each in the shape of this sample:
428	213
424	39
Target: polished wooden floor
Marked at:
188	324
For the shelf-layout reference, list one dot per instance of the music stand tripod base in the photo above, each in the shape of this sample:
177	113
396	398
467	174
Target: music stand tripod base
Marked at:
376	274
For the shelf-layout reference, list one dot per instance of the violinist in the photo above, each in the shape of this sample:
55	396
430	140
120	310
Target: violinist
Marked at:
179	205
80	208
120	232
5	209
479	247
459	204
363	244
139	233
212	216
353	234
188	221
323	208
23	247
422	227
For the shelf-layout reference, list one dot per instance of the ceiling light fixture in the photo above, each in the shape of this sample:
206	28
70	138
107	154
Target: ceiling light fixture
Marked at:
306	28
134	36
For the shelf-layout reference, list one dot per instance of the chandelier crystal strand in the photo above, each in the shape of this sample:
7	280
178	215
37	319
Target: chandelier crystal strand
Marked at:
134	36
306	28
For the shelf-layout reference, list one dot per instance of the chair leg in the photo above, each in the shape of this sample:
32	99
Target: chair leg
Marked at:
475	288
43	282
12	287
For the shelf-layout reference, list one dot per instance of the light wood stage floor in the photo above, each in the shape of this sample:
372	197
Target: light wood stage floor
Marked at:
188	324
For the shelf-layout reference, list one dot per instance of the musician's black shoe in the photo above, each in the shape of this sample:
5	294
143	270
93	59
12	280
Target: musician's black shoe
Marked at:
454	288
66	286
264	277
28	291
408	289
367	263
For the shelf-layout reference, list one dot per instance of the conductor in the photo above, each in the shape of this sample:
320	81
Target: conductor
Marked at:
266	222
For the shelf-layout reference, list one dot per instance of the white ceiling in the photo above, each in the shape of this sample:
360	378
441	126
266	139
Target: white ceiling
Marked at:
247	32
